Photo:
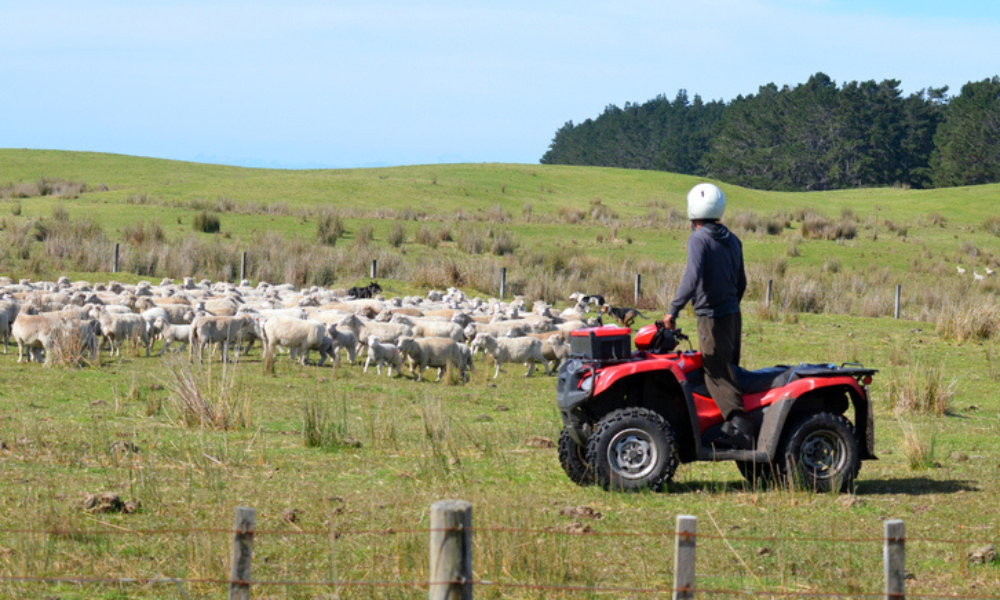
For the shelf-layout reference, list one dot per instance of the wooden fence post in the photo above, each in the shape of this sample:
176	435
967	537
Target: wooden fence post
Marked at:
899	290
767	298
374	269
503	282
684	550
243	267
638	288
239	572
894	559
114	260
451	550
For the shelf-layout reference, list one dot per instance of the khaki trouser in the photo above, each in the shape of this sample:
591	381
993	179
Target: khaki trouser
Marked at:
719	341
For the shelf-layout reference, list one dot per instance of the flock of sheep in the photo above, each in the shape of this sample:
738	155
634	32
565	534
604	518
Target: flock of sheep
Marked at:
441	330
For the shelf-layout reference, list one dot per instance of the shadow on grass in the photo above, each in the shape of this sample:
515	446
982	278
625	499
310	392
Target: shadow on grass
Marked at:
912	486
707	487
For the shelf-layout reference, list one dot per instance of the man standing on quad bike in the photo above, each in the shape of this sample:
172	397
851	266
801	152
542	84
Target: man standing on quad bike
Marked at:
714	282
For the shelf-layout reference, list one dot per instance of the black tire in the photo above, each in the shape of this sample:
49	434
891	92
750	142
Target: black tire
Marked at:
573	458
759	475
820	453
632	449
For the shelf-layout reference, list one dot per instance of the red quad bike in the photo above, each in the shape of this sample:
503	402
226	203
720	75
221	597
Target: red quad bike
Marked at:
630	417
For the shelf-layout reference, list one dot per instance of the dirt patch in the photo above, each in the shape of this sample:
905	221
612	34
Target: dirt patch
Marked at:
537	441
108	502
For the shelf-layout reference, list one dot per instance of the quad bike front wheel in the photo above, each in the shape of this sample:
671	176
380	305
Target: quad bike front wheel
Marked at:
632	449
820	453
573	458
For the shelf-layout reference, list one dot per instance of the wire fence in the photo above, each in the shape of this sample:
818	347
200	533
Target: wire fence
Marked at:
451	562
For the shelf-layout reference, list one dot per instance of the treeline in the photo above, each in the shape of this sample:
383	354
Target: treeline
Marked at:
814	136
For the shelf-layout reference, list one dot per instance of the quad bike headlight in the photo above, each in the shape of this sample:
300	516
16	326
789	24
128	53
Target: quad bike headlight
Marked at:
587	385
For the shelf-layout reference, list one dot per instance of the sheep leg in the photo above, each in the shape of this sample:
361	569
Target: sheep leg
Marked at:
368	361
440	373
531	368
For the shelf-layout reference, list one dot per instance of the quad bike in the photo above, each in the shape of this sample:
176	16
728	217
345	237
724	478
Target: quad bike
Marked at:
629	418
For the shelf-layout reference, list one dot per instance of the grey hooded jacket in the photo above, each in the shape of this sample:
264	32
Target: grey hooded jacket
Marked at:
714	279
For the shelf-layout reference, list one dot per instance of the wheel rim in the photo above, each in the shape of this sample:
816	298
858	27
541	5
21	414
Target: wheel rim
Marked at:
823	454
632	454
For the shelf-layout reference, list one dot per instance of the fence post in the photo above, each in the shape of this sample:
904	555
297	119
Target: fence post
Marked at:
239	572
114	260
374	269
899	289
767	298
638	288
243	267
684	557
451	550
503	282
894	558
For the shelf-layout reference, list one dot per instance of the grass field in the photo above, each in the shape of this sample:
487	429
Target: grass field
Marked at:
353	509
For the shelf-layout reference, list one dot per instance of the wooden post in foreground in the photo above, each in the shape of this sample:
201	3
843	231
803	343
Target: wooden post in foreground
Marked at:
503	282
684	557
114	260
894	559
374	269
239	572
638	288
451	550
767	298
243	267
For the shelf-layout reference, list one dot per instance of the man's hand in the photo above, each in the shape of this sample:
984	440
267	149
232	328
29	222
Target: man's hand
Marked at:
669	322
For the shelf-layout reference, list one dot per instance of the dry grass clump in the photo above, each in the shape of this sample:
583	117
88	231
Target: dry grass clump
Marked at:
206	222
748	221
142	232
816	226
969	319
918	449
322	430
918	389
51	186
426	237
992	225
208	398
329	227
571	215
397	235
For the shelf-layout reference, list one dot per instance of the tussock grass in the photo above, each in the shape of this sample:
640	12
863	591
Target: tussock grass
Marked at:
206	222
918	449
920	389
207	397
971	318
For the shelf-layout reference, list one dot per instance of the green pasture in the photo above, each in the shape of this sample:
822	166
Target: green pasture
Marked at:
355	509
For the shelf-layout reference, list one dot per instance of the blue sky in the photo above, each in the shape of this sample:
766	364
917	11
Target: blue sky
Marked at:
297	84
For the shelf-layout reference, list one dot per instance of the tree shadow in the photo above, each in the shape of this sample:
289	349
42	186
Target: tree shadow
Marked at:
913	486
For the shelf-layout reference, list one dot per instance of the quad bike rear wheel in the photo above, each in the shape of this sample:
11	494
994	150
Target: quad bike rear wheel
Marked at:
820	453
573	458
632	449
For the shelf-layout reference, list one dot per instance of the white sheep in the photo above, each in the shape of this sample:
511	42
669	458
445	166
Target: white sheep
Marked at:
429	328
526	350
465	353
297	335
33	334
222	331
434	352
5	330
170	333
346	340
117	328
555	349
380	354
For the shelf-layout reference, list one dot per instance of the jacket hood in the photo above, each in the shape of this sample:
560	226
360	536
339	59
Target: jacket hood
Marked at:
718	231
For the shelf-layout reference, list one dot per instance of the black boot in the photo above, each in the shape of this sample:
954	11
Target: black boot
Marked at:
739	431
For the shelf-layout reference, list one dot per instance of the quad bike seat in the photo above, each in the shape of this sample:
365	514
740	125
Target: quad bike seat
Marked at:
768	378
751	382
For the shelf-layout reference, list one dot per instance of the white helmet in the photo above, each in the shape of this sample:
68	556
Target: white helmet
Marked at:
706	201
